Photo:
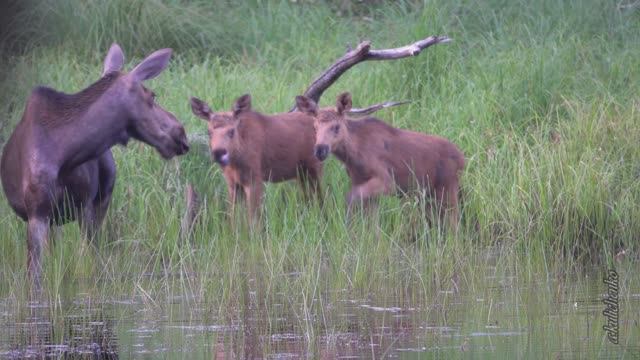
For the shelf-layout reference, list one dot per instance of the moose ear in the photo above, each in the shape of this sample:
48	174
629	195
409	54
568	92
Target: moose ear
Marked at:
114	59
306	105
200	108
242	104
343	103
151	66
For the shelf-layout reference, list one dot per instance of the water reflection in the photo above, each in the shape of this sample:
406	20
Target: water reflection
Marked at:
30	332
503	318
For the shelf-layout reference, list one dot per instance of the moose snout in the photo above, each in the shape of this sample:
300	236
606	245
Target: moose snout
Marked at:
321	151
221	156
180	138
183	146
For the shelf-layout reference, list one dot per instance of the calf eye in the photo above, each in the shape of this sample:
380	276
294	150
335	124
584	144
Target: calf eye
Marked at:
335	128
230	133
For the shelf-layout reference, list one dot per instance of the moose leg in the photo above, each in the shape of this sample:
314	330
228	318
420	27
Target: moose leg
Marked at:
452	214
37	238
254	199
107	178
235	196
364	193
40	198
309	179
446	202
87	220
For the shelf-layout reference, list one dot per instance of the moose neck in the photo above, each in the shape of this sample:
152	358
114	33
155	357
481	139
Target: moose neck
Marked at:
90	133
347	151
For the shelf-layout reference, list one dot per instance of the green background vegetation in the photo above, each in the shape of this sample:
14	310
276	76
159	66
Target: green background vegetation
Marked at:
542	97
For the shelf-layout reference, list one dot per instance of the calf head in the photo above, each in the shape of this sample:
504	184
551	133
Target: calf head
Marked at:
147	121
330	124
222	126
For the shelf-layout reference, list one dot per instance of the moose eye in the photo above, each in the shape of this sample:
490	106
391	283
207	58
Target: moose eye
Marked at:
230	133
335	128
152	99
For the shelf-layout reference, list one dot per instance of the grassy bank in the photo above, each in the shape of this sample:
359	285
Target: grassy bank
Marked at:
542	97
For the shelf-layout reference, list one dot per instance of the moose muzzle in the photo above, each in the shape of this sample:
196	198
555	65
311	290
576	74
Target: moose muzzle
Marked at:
321	151
221	156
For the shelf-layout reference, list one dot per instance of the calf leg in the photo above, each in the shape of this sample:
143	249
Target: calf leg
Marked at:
309	179
235	196
452	213
254	200
366	192
446	199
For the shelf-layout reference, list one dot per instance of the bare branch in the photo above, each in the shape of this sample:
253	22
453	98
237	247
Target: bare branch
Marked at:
362	53
373	108
406	51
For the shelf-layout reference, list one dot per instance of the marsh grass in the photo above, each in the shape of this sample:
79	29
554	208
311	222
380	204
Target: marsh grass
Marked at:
541	97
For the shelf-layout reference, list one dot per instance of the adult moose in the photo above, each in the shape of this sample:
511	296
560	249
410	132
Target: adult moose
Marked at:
58	156
381	159
253	148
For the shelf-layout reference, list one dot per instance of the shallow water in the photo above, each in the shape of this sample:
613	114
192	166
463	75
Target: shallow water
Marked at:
503	318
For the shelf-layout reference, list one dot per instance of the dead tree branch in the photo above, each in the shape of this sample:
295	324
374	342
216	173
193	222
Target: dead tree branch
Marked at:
363	52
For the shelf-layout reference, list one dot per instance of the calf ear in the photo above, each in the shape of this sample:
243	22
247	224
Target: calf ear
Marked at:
200	108
114	59
343	103
151	66
306	105
243	103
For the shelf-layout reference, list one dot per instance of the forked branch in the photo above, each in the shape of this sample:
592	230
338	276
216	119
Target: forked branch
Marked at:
363	52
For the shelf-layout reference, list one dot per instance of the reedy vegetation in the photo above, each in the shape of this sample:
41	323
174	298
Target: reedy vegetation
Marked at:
541	96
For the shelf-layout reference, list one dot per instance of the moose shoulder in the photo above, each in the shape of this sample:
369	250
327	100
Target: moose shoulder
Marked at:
58	158
381	159
253	148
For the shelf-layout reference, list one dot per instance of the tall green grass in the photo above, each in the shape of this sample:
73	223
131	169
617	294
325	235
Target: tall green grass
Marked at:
542	97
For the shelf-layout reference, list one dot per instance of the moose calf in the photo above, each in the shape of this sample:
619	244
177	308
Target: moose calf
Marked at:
381	159
253	148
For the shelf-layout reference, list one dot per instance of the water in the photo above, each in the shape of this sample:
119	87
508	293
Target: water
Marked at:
503	318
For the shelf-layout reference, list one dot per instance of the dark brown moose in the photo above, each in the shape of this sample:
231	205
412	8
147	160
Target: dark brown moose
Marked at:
59	156
381	159
253	148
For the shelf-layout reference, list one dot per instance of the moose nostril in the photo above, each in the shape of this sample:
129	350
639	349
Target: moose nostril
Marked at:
184	147
321	151
218	153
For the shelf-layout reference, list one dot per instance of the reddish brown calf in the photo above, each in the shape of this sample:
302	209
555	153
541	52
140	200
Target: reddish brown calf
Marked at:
253	148
381	159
